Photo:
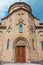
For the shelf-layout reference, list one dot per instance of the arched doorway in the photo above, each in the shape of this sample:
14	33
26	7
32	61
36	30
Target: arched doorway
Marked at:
20	49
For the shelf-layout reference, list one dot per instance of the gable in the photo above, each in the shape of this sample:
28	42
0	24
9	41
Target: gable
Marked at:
23	8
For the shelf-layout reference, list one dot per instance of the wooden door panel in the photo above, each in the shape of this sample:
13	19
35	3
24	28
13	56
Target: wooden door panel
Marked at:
20	55
17	54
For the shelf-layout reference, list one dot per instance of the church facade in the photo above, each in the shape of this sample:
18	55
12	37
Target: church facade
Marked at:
21	35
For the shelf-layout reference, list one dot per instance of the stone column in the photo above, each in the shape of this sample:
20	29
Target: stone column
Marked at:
27	54
14	53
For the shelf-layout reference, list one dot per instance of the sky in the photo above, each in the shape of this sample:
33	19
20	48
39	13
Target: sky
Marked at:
36	5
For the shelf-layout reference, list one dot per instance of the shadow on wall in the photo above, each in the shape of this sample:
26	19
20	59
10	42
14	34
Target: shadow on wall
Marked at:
0	62
38	62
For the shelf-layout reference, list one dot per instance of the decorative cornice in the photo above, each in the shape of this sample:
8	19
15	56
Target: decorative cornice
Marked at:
20	3
2	27
39	27
19	10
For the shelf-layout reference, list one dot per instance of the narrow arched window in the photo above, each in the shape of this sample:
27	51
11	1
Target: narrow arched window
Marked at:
42	45
8	44
33	44
20	27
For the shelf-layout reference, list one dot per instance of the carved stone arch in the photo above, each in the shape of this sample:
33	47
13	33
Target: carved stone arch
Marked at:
22	39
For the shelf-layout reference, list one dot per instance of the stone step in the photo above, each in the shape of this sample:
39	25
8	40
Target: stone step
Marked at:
20	64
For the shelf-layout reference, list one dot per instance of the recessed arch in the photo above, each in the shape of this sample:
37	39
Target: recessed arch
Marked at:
19	46
23	39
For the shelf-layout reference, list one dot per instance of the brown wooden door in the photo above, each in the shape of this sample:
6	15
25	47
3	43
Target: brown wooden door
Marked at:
20	54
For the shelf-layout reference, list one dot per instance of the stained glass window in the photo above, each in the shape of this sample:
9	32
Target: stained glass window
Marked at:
42	45
20	27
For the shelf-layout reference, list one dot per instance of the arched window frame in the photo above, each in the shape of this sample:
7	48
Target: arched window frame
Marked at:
20	27
42	44
8	44
33	44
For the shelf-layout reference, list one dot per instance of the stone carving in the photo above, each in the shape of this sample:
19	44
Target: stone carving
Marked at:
21	13
9	28
32	29
21	21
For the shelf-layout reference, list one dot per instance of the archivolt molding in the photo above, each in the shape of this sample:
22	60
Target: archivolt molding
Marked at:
24	40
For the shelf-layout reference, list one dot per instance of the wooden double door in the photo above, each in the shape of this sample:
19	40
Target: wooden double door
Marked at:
20	54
